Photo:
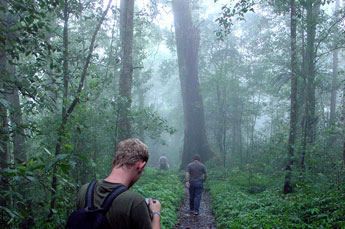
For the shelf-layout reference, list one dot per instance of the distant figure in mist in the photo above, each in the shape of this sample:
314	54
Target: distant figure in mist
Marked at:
163	163
196	175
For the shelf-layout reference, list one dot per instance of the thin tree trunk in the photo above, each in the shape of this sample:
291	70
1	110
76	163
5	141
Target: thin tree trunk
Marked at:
4	136
236	129
240	134
3	149
310	122
343	116
293	104
221	128
76	100
334	86
61	131
16	124
254	123
343	121
187	43
4	140
126	74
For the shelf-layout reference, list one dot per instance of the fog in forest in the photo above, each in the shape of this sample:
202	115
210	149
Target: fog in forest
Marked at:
251	86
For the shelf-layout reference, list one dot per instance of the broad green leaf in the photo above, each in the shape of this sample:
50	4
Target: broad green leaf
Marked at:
32	179
56	160
65	167
80	156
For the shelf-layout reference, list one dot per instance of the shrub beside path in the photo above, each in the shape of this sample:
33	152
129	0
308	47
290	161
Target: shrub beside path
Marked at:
205	219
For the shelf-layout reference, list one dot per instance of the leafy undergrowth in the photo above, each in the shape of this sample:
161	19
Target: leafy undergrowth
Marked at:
167	188
240	203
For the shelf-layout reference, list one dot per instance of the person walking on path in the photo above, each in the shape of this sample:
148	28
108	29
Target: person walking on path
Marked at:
163	163
129	209
195	176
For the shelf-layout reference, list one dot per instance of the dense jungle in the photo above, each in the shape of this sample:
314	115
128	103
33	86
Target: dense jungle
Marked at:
255	87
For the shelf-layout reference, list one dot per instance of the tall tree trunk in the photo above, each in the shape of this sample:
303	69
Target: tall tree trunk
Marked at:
256	114
221	121
76	100
187	43
301	86
343	122
4	136
3	150
239	133
343	115
293	102
313	8
16	125
126	74
334	86
61	132
236	134
141	104
19	151
12	95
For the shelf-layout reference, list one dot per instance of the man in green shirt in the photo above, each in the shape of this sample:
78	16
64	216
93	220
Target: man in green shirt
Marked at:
129	209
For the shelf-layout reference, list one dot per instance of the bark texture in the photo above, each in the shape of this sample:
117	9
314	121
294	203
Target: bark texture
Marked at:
293	103
332	114
313	9
187	42
126	74
4	135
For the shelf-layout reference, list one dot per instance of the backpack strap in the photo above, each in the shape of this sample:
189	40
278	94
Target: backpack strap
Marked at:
89	196
111	197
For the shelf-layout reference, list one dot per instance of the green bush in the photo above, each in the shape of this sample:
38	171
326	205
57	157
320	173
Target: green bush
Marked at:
165	186
236	205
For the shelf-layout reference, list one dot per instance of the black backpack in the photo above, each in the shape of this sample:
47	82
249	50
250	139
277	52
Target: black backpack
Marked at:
91	217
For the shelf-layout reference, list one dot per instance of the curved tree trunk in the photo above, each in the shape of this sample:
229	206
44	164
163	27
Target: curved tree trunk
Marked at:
67	112
187	42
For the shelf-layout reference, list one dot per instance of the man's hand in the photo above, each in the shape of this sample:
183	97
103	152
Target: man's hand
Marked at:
155	205
187	179
205	177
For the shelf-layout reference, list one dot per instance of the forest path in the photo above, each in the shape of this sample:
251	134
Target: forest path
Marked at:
205	219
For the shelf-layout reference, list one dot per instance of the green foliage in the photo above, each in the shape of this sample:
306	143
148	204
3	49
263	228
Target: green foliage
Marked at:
235	207
29	184
149	121
229	12
167	188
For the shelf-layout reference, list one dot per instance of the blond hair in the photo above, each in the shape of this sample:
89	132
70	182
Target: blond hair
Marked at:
130	151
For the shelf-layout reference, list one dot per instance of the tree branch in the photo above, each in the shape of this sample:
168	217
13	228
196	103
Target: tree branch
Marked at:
86	66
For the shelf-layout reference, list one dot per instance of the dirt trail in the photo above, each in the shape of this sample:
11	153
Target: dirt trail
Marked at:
205	219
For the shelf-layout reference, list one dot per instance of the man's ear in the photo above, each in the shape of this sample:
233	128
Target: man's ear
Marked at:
141	165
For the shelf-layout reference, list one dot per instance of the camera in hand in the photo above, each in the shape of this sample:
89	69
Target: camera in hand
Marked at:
147	200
